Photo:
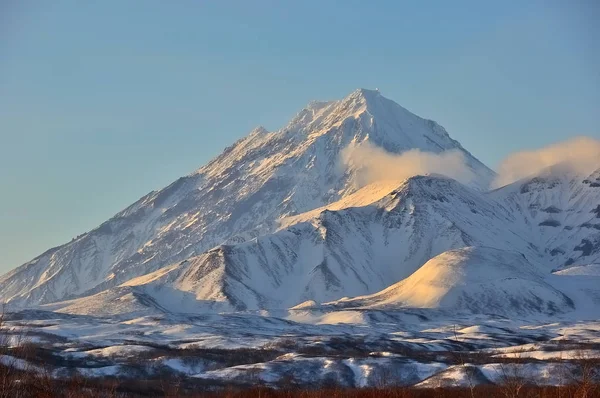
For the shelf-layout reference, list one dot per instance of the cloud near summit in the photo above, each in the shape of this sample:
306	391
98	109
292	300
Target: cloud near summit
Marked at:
374	164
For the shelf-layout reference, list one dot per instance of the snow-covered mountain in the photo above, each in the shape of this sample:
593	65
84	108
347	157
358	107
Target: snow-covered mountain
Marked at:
356	245
359	245
447	245
276	222
240	195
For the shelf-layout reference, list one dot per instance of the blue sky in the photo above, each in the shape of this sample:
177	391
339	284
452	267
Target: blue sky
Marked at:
101	102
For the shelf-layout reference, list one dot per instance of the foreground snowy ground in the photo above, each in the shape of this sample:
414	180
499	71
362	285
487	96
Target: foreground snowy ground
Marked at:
423	348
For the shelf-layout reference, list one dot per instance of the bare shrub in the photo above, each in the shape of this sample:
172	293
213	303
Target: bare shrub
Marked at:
512	379
586	375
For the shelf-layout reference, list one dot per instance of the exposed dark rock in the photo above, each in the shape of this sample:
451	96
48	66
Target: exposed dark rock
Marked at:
569	262
550	223
587	247
552	209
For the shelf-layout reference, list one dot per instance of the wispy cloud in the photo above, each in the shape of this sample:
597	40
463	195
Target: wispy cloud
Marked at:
373	164
581	154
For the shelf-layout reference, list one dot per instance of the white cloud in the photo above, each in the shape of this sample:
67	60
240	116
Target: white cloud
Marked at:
581	154
373	164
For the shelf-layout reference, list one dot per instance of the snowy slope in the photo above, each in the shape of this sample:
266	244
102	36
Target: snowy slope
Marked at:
475	280
258	180
559	211
349	248
376	237
362	244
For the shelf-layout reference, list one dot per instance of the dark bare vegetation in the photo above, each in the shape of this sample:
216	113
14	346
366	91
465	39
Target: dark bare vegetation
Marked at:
28	370
39	385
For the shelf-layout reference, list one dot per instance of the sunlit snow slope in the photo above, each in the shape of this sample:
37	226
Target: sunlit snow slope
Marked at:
473	279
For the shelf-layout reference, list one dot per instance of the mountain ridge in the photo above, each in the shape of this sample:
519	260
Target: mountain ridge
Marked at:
367	241
259	179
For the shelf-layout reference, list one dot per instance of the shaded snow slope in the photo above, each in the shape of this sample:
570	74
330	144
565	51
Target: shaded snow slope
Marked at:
559	211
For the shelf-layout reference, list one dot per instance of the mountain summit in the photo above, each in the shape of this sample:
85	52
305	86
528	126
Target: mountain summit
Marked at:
237	196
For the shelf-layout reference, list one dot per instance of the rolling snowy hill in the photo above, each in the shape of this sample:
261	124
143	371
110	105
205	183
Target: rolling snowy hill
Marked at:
472	280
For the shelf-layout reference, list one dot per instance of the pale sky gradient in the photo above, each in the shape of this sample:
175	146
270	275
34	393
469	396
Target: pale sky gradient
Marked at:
103	101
